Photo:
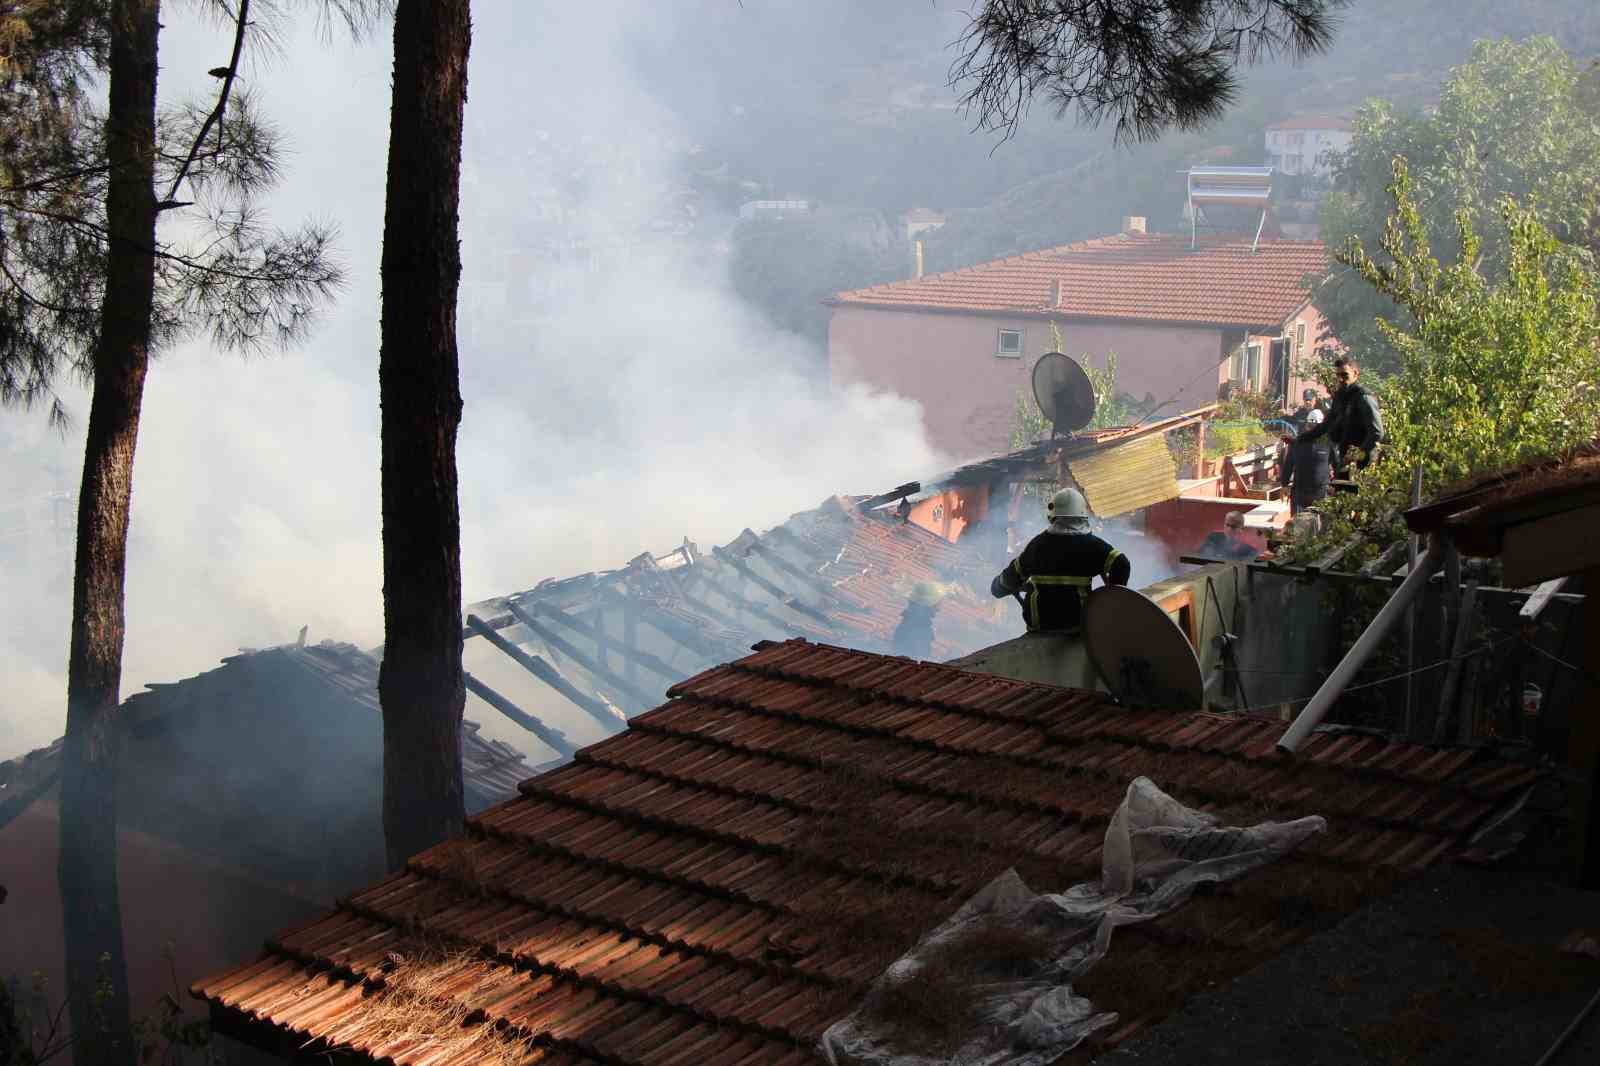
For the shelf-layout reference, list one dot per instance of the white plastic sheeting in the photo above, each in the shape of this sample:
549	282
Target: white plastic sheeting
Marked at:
1156	852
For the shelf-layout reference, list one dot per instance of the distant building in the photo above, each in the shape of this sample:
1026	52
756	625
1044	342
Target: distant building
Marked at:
920	220
1184	314
772	209
1307	144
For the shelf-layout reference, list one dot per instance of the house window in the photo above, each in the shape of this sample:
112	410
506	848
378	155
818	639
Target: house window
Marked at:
1010	344
1246	365
1300	337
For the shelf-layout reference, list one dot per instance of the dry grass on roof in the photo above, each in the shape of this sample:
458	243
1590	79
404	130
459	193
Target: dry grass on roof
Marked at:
1578	464
422	1003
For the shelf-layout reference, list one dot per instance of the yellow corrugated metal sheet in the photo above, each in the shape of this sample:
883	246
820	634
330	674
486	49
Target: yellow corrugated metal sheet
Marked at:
1126	477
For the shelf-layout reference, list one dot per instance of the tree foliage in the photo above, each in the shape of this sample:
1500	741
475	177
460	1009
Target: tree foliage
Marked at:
788	267
1149	65
222	271
1519	120
1495	370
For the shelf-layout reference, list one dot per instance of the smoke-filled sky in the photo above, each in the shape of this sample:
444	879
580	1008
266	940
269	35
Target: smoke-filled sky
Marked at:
648	407
618	396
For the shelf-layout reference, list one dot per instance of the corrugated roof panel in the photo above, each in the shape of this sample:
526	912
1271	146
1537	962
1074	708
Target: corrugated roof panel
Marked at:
1126	477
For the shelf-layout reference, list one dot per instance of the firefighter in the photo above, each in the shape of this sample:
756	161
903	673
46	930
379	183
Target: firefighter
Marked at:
913	637
1055	570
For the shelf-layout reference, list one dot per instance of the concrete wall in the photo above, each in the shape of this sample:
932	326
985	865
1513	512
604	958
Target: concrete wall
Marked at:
947	363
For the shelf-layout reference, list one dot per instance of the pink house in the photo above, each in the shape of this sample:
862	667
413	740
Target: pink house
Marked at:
1182	321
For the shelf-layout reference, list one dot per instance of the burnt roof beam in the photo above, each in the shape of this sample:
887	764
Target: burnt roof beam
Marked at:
600	712
739	603
771	588
635	695
596	632
554	739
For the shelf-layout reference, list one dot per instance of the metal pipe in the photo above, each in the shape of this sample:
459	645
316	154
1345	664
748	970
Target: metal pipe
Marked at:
1566	1034
1362	650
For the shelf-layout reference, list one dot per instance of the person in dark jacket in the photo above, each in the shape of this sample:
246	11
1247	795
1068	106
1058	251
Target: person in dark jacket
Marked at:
1057	568
1228	544
913	637
1307	468
1354	425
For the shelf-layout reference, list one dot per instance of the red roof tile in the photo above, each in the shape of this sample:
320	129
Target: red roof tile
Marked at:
1155	278
721	882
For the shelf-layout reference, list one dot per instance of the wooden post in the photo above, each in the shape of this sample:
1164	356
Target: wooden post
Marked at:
1411	614
1457	649
630	638
1583	743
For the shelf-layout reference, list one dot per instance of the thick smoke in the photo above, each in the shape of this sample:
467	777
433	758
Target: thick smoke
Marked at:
616	401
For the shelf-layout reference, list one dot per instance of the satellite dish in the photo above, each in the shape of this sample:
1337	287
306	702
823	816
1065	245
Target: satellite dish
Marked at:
1140	653
1063	392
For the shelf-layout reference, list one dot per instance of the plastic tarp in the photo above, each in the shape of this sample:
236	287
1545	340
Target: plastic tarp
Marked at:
1156	851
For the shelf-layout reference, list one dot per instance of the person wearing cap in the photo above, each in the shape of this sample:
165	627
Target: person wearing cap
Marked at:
1054	572
1300	417
1307	467
913	637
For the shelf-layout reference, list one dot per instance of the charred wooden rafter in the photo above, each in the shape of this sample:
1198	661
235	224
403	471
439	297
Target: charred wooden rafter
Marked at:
771	588
553	738
772	557
739	603
638	697
536	666
596	631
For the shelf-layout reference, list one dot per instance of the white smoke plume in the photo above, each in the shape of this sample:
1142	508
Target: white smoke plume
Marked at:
642	405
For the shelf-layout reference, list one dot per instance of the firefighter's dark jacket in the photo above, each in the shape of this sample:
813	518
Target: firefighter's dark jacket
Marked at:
1055	571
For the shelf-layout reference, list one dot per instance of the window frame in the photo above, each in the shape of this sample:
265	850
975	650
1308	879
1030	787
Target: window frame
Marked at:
1000	351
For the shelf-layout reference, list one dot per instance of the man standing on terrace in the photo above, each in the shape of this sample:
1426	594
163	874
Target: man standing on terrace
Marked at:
1354	425
1057	567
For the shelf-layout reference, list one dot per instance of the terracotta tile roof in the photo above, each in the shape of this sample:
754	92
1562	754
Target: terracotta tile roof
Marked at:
719	883
1153	278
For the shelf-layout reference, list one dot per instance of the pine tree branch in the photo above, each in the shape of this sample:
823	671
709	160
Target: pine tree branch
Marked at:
215	117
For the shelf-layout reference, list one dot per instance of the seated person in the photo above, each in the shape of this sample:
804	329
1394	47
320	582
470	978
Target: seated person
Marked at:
1227	545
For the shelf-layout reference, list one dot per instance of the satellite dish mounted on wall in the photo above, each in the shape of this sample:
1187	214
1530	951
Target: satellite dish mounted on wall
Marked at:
1140	653
1063	392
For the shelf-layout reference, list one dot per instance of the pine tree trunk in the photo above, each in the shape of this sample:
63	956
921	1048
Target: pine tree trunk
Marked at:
87	871
420	684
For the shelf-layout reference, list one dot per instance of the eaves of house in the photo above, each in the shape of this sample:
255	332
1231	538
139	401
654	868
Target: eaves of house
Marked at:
722	881
1154	279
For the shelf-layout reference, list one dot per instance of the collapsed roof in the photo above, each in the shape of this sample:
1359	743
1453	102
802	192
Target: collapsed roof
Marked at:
335	685
721	882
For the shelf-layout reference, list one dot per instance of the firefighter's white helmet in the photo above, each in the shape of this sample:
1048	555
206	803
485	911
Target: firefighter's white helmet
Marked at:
1068	503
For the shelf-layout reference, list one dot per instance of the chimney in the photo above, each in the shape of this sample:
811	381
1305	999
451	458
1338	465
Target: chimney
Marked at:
1132	224
1055	293
917	246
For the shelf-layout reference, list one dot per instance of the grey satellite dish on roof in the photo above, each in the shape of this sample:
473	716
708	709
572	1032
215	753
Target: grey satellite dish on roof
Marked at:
1139	652
1063	392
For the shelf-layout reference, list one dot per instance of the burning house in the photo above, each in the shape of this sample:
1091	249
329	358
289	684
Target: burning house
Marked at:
248	795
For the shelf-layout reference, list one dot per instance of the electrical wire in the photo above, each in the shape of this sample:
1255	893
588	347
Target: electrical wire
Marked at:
1390	677
1580	671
